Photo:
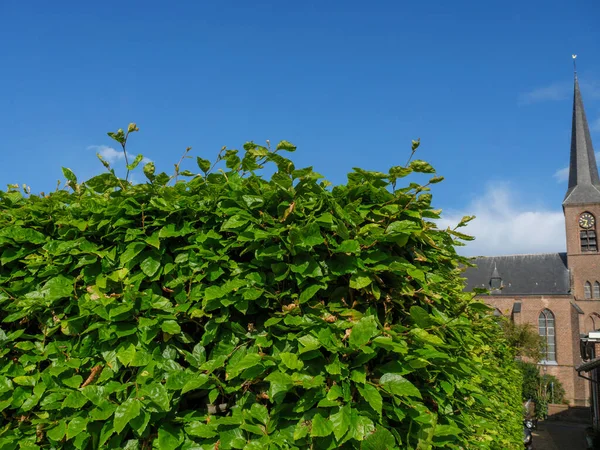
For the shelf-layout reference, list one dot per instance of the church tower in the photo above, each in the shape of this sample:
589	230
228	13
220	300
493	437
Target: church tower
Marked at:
581	207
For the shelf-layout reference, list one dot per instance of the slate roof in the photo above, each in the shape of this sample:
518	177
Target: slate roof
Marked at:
584	184
545	273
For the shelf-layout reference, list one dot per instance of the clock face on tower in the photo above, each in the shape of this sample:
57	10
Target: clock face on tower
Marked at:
586	220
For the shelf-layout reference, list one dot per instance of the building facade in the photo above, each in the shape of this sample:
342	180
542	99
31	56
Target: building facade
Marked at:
558	293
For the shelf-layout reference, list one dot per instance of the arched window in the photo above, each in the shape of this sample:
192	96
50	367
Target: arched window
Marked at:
546	331
587	290
596	290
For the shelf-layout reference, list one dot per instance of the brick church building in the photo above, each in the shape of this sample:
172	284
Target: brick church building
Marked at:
558	293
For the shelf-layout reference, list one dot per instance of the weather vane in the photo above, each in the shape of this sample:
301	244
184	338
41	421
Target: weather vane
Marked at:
574	63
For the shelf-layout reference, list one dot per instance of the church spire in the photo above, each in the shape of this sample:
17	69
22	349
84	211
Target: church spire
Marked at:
584	184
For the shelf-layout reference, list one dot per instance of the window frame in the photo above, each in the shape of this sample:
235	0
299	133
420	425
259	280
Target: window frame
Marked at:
587	290
547	330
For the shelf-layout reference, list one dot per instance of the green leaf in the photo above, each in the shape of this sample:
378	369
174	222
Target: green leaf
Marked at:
204	164
169	437
125	412
58	432
341	422
447	387
360	280
280	384
149	169
119	136
372	396
421	166
74	400
150	265
200	429
126	354
136	161
363	331
95	394
235	221
401	226
248	361
253	201
69	175
76	426
348	246
22	235
197	382
260	413
309	292
54	289
287	146
420	316
131	251
447	430
399	171
24	380
464	221
426	337
381	439
291	361
170	326
321	426
398	385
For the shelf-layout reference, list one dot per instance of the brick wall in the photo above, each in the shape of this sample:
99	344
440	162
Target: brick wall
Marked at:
583	266
567	333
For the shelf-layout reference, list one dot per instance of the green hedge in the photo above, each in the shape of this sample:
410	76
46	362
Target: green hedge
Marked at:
244	311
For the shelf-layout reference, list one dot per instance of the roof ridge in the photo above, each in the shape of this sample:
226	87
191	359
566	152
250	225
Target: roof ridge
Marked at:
520	254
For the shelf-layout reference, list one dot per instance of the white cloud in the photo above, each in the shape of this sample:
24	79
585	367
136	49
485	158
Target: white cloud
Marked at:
562	175
504	226
553	92
560	91
112	156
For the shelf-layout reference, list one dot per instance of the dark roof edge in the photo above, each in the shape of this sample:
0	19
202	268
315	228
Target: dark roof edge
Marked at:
577	308
516	296
520	254
588	366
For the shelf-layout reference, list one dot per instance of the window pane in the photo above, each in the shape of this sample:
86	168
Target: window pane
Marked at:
583	234
542	319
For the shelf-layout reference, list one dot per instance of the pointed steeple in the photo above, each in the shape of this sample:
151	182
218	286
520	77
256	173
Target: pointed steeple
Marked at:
584	184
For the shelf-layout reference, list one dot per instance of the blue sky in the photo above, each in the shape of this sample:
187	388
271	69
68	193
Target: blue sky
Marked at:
487	86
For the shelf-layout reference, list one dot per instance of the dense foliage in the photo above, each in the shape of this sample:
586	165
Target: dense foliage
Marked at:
242	311
524	338
541	389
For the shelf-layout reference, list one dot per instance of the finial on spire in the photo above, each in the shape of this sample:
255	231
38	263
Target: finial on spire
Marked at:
574	64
